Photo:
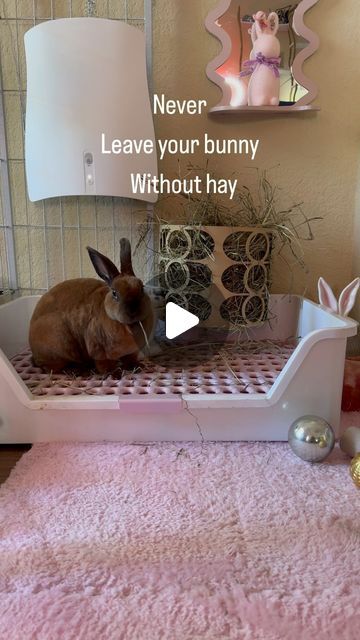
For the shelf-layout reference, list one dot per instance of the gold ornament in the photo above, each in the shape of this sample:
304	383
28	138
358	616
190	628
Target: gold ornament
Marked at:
355	470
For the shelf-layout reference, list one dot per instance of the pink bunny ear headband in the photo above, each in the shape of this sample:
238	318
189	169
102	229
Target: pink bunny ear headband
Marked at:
347	297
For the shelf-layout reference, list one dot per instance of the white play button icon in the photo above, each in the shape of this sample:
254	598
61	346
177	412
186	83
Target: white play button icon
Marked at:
178	320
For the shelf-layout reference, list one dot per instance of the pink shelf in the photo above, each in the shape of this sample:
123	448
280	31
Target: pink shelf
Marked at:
227	109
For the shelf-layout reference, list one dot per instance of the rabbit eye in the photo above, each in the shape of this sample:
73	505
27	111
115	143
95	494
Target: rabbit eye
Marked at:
115	295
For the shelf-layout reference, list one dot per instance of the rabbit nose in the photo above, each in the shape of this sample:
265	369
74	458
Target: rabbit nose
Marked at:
133	308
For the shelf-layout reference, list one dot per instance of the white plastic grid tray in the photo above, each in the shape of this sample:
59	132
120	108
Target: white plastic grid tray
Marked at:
203	369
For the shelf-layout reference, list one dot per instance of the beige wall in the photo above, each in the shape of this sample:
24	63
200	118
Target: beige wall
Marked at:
318	155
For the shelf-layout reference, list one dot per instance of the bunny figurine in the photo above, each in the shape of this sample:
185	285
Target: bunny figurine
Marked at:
347	297
263	66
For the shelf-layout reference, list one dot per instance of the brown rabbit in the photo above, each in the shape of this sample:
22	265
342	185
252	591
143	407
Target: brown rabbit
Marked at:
85	321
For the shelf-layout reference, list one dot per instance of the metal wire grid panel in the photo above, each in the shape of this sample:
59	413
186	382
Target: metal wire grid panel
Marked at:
45	242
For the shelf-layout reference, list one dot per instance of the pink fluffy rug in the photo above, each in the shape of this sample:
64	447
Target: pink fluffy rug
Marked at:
179	542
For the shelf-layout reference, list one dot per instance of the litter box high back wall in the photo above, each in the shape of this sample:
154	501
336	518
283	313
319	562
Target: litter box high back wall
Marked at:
317	156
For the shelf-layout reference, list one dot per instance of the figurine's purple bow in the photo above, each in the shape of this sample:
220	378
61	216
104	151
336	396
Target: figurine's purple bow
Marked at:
251	65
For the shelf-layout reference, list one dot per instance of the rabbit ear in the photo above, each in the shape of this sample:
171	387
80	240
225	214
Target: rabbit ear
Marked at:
253	34
326	296
103	266
273	22
125	257
260	23
348	297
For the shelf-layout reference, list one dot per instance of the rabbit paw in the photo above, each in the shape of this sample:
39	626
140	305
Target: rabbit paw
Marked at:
131	362
106	366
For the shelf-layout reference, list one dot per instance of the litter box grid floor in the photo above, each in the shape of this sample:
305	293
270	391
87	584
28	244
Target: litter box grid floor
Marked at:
196	369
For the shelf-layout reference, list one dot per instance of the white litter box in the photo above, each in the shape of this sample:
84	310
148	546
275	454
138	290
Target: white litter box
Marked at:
295	368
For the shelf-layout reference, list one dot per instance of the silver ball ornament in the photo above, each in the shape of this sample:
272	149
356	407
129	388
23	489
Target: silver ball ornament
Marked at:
350	441
311	438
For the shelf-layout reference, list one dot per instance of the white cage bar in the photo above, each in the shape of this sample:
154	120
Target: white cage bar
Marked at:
43	243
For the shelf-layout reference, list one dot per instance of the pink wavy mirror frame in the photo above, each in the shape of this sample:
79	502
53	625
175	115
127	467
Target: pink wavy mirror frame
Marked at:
310	43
